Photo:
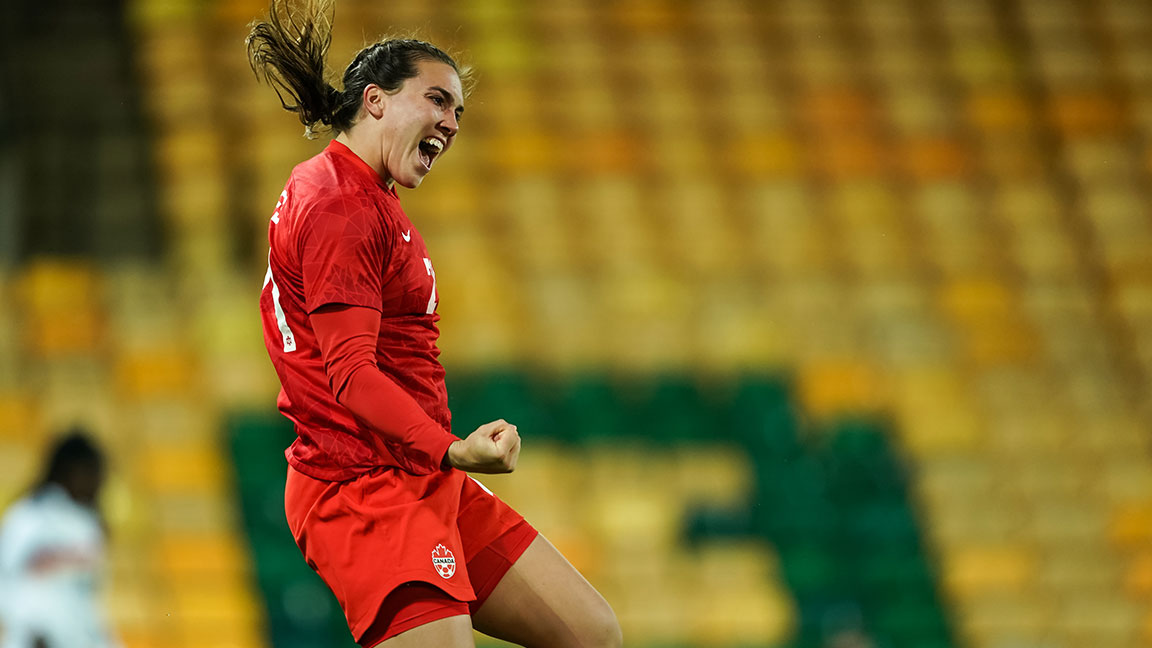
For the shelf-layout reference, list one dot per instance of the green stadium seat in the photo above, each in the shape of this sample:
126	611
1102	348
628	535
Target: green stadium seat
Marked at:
810	569
673	410
515	397
587	409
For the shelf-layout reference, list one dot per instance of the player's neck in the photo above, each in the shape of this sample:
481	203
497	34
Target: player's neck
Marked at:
368	150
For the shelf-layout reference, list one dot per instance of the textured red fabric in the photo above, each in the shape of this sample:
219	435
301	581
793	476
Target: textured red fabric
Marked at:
410	606
367	536
414	604
339	236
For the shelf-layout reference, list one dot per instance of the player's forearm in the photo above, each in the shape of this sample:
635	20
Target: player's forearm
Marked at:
378	402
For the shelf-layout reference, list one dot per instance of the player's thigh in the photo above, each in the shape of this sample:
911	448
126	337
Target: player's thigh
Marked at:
450	632
543	602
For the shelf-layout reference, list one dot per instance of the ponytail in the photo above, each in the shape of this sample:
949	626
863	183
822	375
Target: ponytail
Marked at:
288	50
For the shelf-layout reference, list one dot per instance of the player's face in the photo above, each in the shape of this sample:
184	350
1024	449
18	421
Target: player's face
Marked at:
421	121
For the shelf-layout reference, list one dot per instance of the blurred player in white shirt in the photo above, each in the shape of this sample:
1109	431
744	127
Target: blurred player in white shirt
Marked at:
52	547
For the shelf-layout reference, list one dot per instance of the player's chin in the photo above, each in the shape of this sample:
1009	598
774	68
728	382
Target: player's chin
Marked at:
410	181
414	177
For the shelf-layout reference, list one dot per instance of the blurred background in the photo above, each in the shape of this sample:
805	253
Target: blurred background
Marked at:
826	323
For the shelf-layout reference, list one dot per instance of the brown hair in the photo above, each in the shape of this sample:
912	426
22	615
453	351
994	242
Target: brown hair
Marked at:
287	50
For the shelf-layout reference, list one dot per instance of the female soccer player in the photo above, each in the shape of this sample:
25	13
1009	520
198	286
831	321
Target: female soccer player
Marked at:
377	496
52	554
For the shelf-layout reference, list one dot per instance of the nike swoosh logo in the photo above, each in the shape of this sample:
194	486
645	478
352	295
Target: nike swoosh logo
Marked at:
407	236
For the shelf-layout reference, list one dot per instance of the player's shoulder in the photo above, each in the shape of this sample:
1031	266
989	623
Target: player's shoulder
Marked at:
26	510
325	176
318	187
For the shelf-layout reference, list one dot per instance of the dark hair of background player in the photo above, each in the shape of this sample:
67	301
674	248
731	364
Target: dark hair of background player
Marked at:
288	50
75	463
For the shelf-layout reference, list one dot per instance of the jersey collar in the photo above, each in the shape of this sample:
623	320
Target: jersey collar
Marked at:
343	152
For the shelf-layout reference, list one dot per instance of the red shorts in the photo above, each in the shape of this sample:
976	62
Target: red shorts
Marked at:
368	536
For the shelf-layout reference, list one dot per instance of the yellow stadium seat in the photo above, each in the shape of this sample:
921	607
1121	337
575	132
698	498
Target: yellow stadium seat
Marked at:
764	154
976	298
1049	479
721	477
838	110
968	18
841	387
225	605
982	62
647	16
973	571
130	604
1078	568
157	373
1138	575
1049	19
1046	253
743	616
657	610
1098	619
996	342
638	518
181	468
928	159
650	316
958	522
990	619
1126	482
1068	63
523	151
61	302
914	109
999	111
1131	525
849	155
957	477
191	512
216	555
741	331
822	63
716	564
1017	157
1082	114
19	417
935	413
1100	162
20	461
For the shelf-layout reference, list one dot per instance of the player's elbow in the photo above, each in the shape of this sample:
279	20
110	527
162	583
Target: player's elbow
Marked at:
342	379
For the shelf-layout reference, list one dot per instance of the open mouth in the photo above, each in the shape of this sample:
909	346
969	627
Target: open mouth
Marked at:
430	147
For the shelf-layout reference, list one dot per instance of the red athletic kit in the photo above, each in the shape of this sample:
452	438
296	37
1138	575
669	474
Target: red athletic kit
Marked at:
368	499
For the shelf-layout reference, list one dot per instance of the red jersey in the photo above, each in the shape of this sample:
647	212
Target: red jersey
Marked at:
339	236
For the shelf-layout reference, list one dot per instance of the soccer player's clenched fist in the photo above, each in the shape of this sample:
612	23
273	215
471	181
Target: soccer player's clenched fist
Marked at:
493	448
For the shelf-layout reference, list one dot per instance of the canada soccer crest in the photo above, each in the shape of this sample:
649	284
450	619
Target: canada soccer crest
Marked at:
443	561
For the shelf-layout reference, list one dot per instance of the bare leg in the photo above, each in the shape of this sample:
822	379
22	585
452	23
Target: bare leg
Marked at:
543	602
451	632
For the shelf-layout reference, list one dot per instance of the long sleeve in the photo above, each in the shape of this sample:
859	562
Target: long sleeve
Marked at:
347	340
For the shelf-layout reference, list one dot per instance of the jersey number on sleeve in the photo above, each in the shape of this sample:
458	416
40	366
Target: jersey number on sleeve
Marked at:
431	273
281	319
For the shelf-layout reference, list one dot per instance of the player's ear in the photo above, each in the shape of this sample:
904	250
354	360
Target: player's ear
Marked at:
375	100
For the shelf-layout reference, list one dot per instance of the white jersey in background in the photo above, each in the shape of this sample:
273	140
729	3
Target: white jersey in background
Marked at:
51	560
